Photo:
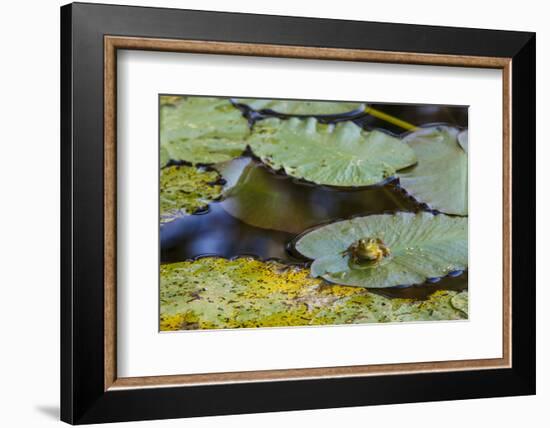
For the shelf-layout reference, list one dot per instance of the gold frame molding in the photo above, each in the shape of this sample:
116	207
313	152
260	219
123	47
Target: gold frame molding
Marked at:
113	43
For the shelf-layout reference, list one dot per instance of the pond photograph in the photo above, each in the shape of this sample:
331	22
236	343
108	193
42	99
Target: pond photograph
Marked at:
294	213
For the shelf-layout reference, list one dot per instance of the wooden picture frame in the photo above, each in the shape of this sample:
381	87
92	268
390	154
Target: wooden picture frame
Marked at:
91	390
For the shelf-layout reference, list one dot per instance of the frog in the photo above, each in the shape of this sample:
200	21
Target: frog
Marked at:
367	252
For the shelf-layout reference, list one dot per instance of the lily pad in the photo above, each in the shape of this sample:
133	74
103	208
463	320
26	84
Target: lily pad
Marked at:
463	140
440	178
334	155
185	189
302	108
214	293
387	250
202	130
164	157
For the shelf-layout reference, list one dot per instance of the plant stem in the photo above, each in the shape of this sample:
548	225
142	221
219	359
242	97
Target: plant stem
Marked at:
388	118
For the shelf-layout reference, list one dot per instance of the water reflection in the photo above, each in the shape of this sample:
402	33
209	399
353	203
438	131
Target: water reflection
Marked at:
423	291
415	114
218	233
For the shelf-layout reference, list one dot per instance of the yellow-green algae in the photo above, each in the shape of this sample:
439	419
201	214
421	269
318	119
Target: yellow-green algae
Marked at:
185	189
460	302
170	100
216	293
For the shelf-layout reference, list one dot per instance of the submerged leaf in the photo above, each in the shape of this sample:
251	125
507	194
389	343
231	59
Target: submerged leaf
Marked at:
258	197
232	171
202	130
440	178
186	189
302	108
214	293
419	246
335	155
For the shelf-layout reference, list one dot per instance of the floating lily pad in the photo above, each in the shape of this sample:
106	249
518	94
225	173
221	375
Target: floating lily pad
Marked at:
335	155
186	189
202	130
440	178
387	250
214	293
302	108
164	157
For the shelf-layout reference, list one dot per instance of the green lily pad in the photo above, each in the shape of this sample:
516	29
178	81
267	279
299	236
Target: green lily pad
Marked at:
419	246
186	189
463	140
302	108
164	157
202	130
334	155
215	293
440	178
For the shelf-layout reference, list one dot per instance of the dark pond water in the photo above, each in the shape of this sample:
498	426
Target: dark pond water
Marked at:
417	115
264	211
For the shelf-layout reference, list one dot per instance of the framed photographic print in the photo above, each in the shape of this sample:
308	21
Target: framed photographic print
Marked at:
264	213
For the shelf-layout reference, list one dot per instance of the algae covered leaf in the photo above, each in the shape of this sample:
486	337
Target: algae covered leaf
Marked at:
202	130
186	189
214	293
302	108
335	155
460	302
387	250
170	100
440	178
